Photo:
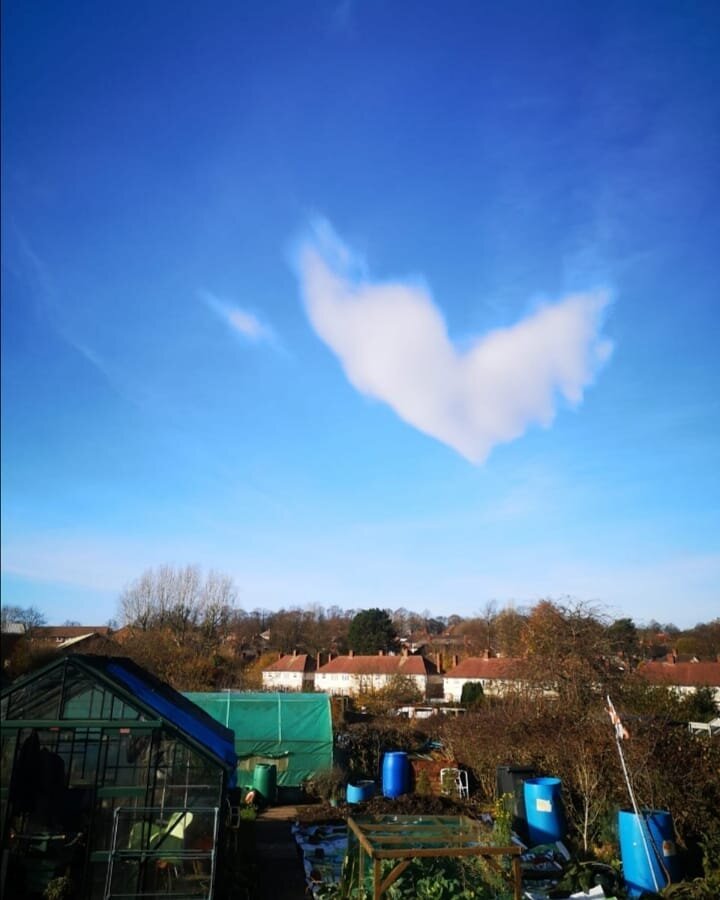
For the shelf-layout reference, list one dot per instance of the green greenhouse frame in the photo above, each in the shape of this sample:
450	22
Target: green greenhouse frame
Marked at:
111	782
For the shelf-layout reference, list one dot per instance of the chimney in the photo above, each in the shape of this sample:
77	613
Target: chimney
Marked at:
351	653
381	653
317	660
456	659
280	654
294	652
438	661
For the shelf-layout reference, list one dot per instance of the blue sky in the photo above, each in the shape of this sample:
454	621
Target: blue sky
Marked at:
363	303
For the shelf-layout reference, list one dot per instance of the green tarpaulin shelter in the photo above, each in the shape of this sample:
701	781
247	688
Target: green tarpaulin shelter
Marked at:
292	731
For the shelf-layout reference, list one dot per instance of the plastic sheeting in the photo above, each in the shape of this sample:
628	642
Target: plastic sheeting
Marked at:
170	705
294	731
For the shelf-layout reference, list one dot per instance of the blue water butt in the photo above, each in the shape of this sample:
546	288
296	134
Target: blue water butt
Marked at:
543	809
395	774
651	868
360	791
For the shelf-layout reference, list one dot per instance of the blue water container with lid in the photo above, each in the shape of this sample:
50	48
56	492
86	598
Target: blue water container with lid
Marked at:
543	808
395	774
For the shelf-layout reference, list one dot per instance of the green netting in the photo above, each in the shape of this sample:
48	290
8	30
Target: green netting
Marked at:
293	731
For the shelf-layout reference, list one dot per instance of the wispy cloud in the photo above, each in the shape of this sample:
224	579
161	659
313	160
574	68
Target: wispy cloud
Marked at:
393	344
242	321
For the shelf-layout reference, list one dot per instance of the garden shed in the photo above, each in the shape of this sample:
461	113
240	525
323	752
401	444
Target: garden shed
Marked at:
112	782
292	731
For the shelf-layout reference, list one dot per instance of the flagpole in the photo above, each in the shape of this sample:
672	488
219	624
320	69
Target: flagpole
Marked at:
620	733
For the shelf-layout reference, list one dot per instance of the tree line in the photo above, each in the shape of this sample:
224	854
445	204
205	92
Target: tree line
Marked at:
187	626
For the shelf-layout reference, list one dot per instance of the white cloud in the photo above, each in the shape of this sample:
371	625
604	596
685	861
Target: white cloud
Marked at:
240	320
393	344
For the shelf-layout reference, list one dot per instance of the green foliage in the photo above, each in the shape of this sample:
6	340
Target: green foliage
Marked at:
700	706
371	630
422	784
472	693
623	637
584	875
61	888
428	879
502	821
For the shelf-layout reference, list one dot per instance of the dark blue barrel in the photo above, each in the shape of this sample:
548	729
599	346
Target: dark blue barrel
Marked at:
360	791
395	774
543	809
648	865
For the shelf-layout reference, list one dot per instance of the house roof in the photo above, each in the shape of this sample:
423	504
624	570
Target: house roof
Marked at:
68	631
300	662
88	641
500	668
404	664
682	674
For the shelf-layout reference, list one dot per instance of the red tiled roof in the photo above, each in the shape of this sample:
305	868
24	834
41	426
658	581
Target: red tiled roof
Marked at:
379	665
479	667
682	674
290	663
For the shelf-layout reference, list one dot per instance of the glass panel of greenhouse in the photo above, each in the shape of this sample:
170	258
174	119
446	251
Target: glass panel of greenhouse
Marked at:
112	784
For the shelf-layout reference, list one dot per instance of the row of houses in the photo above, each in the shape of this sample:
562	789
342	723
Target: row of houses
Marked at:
353	674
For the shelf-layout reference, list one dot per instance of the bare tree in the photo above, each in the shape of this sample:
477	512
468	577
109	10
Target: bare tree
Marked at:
179	600
28	616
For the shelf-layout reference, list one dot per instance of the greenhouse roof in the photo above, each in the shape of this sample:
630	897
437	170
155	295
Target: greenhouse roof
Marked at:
143	691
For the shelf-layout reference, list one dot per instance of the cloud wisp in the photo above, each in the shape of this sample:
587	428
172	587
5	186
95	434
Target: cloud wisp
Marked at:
393	344
242	321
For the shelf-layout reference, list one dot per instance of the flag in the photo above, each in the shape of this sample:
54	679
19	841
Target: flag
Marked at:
621	731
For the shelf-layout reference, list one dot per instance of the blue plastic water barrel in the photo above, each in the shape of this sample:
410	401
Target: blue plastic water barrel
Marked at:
543	809
265	781
395	774
640	873
360	791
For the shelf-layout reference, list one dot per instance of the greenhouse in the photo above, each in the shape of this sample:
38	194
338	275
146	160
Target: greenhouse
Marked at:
113	785
292	731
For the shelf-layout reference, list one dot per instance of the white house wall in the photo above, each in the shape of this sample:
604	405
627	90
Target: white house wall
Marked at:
283	681
354	684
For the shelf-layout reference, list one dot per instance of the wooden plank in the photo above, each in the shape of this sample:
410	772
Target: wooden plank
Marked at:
394	874
377	878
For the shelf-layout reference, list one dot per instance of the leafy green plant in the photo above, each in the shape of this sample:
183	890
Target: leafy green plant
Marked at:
502	821
422	784
472	693
61	888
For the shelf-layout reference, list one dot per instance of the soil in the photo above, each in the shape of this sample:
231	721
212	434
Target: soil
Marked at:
406	805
